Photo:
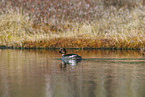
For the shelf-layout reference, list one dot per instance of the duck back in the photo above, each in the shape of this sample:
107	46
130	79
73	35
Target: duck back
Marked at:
71	56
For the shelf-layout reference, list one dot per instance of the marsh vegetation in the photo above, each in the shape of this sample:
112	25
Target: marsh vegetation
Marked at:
117	24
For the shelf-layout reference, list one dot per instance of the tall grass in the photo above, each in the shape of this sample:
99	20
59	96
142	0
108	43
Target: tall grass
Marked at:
72	23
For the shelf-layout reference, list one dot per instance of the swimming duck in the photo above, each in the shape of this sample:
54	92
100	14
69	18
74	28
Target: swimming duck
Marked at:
66	56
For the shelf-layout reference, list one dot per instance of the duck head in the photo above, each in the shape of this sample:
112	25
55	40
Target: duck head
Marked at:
62	51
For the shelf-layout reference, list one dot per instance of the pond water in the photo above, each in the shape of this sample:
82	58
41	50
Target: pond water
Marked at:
101	73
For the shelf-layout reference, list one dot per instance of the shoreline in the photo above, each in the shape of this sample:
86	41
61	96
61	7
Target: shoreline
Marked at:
34	48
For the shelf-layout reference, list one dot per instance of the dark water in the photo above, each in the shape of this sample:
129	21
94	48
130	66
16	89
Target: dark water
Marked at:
40	73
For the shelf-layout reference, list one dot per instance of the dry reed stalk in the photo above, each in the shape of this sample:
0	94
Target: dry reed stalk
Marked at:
72	23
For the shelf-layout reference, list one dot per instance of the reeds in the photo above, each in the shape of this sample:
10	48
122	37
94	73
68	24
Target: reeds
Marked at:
72	24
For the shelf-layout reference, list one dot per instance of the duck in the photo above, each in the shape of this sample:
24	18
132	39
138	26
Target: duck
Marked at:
66	56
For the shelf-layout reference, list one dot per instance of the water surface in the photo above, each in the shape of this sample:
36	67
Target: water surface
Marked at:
101	73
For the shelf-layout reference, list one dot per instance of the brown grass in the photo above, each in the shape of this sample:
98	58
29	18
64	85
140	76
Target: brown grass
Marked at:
81	43
72	23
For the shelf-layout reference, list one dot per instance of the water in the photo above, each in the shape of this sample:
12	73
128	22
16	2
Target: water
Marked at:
101	73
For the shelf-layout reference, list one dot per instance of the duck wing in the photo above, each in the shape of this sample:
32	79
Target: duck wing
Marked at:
72	56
